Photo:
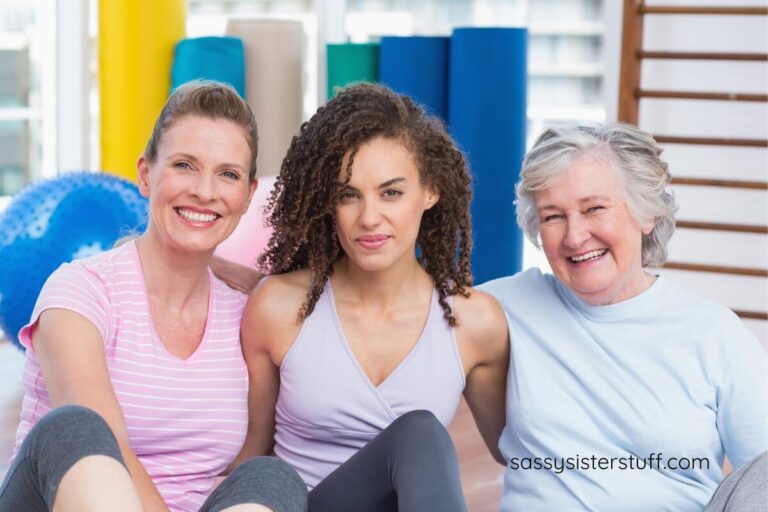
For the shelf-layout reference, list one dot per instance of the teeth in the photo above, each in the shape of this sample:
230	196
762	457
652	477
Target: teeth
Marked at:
197	217
588	256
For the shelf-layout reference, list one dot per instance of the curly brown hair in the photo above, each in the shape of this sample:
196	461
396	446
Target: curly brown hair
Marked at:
302	206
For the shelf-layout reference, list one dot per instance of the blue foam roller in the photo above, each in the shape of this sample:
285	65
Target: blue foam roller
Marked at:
418	67
210	58
486	115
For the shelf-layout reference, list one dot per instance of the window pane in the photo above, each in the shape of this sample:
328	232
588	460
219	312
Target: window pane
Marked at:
23	41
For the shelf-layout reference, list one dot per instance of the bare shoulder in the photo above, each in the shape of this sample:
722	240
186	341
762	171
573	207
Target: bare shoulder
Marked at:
482	324
278	298
271	320
480	312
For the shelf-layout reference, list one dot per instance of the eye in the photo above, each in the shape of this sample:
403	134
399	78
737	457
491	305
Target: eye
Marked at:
595	209
230	174
347	196
182	164
556	217
392	193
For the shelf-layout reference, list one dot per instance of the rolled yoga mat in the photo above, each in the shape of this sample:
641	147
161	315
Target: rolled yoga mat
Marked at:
418	67
136	41
487	116
274	58
210	58
350	62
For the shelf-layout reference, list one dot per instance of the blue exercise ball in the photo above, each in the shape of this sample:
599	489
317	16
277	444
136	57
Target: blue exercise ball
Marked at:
56	221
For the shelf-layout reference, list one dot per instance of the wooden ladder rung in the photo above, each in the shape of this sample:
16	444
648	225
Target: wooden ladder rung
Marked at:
706	182
752	315
717	269
645	54
718	226
690	95
712	141
702	9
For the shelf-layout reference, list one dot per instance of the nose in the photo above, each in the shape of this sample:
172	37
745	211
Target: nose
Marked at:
370	214
203	186
577	232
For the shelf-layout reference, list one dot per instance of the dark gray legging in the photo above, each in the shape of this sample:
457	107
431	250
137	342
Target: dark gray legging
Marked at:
70	433
410	466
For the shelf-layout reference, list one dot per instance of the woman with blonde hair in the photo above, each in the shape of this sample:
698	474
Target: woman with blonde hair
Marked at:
136	390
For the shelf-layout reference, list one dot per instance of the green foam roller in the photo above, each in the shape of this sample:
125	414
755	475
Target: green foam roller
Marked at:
351	62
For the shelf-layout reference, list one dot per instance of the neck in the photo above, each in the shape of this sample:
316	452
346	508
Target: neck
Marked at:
636	285
380	289
171	276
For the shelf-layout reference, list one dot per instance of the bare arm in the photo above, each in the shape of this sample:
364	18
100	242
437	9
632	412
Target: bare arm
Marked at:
238	277
66	343
486	334
268	328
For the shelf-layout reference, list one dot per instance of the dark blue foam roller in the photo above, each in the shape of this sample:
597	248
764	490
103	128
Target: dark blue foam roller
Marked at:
418	67
487	116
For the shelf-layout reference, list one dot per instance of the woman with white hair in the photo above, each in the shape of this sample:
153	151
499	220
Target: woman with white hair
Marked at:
625	391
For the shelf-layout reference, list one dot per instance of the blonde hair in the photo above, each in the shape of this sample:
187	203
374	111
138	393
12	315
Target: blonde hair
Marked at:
209	99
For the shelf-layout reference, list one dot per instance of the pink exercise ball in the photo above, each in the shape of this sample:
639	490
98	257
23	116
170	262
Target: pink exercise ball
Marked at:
248	241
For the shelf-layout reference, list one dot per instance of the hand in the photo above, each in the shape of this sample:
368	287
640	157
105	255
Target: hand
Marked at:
238	277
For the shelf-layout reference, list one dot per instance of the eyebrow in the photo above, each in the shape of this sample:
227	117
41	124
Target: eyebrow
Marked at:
588	199
192	157
386	184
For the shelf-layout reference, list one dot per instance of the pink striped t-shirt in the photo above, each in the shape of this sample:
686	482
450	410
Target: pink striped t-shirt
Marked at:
186	419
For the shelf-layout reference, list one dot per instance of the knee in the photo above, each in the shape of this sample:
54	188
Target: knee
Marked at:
75	414
268	481
419	424
73	419
271	469
70	425
419	431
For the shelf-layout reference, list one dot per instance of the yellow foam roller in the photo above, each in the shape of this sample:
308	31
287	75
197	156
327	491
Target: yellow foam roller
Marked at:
136	42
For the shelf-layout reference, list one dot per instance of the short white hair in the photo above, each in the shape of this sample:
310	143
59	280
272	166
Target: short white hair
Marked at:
631	153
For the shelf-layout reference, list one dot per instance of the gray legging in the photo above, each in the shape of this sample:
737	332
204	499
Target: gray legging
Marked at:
744	490
410	466
70	433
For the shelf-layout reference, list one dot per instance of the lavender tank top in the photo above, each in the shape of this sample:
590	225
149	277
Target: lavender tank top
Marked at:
328	408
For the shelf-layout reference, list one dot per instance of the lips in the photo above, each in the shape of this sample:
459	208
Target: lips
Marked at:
197	216
587	256
372	242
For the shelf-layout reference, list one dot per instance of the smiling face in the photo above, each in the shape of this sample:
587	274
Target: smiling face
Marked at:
379	212
589	237
198	185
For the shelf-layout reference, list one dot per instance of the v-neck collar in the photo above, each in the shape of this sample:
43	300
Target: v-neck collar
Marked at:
155	336
353	357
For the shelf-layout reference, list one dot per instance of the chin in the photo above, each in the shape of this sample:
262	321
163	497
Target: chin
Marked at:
372	263
372	266
195	246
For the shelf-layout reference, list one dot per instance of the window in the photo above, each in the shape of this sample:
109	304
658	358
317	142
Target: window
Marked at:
26	95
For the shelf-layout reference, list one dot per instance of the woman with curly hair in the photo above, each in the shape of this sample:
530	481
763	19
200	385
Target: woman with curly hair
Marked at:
366	333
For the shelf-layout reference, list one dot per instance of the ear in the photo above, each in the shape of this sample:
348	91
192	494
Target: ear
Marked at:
647	227
142	167
433	197
251	190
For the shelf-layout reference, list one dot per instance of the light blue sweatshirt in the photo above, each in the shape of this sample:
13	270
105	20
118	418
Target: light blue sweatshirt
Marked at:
666	372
